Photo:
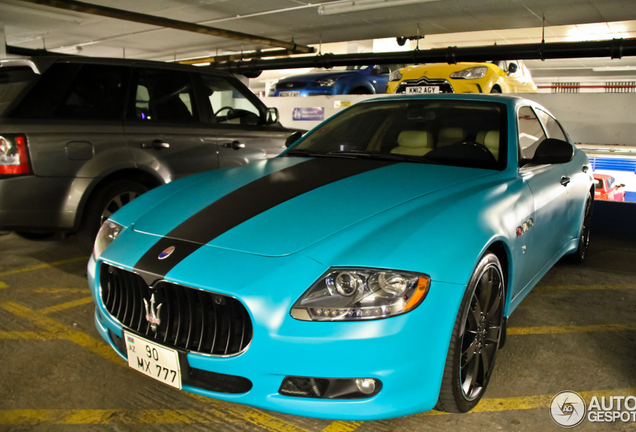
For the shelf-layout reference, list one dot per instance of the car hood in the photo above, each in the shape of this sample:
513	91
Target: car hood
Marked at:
286	204
437	70
313	76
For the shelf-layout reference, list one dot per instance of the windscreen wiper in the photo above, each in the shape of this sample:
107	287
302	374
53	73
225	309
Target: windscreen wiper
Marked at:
309	153
384	156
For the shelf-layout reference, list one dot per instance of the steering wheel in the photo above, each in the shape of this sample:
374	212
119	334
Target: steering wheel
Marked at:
476	145
230	111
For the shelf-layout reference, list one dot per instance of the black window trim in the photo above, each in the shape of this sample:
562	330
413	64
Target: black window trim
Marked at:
519	156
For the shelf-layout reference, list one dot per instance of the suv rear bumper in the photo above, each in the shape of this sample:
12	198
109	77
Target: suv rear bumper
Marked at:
34	203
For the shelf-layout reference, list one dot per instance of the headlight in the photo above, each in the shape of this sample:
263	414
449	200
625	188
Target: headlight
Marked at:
352	294
107	233
396	75
325	82
471	73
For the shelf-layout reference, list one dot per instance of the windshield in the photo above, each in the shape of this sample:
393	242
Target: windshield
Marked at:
446	132
12	81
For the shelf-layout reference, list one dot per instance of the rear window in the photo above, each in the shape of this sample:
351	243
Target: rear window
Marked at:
12	81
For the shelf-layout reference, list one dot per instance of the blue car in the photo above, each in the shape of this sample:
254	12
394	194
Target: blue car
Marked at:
336	81
366	273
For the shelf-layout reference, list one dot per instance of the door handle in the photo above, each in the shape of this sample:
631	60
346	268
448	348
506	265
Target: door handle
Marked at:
235	145
565	180
156	144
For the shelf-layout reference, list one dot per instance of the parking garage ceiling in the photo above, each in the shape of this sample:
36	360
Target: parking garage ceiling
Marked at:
30	25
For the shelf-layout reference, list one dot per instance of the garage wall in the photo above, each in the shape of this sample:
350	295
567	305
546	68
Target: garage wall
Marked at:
592	118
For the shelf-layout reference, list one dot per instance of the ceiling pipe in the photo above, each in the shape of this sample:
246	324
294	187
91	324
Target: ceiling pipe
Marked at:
237	56
615	49
109	12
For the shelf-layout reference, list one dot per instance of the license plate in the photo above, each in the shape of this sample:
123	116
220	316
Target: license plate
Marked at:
422	90
154	360
289	93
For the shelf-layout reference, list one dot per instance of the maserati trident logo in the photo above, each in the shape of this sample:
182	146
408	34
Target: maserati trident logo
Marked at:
152	314
166	253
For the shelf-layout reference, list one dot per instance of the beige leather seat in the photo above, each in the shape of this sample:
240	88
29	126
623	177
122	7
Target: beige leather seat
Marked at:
480	137
491	141
414	143
450	135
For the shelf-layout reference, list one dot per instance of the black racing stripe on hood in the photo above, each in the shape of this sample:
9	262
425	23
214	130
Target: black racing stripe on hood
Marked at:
243	204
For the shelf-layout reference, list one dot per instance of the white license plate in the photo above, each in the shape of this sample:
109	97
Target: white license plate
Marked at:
154	360
289	93
422	90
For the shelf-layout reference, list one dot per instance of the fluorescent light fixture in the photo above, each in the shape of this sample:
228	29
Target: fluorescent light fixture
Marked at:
345	6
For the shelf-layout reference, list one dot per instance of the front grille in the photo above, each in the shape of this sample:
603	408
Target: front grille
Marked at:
444	85
190	319
290	85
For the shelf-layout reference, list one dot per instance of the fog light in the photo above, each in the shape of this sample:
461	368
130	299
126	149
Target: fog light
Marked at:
365	385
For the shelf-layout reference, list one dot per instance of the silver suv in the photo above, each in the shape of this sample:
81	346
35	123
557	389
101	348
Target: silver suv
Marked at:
81	137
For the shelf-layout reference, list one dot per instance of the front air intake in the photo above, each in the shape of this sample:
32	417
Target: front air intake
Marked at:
188	318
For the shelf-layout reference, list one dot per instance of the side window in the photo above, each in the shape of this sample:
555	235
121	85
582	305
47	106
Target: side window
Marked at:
530	132
97	93
551	126
163	96
227	103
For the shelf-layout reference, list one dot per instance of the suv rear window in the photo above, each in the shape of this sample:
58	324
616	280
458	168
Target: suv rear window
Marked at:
75	91
12	81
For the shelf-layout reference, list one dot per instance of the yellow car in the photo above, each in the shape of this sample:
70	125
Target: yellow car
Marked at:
488	77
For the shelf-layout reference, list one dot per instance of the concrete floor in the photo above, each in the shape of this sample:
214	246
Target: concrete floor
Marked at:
575	331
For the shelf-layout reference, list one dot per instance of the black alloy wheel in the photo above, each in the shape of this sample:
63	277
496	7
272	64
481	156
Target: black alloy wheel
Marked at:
103	203
475	340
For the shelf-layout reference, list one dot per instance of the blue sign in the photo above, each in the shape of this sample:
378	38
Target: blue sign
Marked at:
309	114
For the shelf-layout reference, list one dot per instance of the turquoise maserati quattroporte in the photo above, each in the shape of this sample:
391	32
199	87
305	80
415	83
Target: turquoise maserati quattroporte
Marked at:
366	273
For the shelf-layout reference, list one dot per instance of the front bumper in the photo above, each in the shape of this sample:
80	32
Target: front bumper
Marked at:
311	91
406	353
37	203
446	85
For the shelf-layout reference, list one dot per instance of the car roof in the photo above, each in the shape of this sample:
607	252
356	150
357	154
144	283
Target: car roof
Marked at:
601	176
506	99
44	62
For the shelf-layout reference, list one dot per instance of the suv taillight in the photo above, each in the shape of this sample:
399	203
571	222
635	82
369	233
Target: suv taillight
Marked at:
13	155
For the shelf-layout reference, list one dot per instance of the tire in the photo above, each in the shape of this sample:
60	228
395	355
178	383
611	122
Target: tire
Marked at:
477	332
103	203
495	90
580	254
360	90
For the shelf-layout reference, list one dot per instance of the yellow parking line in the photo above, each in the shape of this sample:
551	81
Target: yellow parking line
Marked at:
42	266
3	285
584	287
62	290
569	329
535	402
24	335
61	331
66	305
342	426
110	416
190	416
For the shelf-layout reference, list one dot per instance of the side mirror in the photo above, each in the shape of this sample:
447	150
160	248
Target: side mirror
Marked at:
375	71
553	151
272	115
293	138
512	68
